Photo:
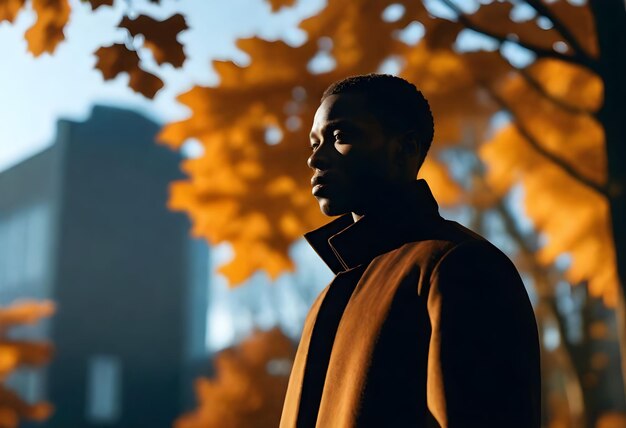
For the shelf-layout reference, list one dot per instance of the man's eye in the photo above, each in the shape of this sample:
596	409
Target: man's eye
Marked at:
314	146
339	136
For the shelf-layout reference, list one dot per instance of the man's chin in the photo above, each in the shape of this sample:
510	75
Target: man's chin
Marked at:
332	208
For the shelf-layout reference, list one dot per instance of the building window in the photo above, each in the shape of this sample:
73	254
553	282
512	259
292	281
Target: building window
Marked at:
104	389
24	244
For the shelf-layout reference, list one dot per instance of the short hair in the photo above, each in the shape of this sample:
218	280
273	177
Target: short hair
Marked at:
398	104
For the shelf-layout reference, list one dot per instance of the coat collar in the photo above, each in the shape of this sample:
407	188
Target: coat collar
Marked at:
344	244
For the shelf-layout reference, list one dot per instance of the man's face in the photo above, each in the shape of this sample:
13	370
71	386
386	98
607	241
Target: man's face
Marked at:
352	157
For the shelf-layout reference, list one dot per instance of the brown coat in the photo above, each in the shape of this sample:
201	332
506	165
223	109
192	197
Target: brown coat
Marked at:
425	322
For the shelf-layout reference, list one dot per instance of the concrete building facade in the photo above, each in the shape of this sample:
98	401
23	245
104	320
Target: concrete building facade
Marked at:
85	224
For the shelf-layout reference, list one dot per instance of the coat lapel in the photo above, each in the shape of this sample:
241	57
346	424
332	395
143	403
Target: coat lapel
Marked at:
351	359
294	389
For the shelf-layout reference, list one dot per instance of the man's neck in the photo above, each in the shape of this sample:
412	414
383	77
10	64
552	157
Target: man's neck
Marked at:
380	199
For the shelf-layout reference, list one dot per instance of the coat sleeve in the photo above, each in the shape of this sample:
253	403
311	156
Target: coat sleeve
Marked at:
483	361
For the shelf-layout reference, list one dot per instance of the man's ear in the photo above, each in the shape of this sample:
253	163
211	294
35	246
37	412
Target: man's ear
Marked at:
409	145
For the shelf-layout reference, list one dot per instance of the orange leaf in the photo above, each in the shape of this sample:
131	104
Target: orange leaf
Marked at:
47	32
579	21
160	36
256	195
28	353
9	9
117	58
95	4
12	407
278	4
25	312
249	387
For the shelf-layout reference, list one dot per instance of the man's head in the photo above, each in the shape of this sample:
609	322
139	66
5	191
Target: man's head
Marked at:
370	133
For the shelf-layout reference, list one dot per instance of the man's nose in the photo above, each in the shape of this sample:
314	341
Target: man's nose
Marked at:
319	159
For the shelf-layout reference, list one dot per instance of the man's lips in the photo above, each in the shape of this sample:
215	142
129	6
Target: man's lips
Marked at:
319	189
320	185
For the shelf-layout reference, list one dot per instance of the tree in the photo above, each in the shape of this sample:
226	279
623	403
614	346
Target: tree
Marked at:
561	109
565	107
249	387
15	353
554	140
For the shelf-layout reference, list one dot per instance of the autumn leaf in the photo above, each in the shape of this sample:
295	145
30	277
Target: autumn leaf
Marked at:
580	23
442	33
160	36
255	194
576	221
25	312
10	8
15	353
47	32
95	4
279	4
495	18
13	408
249	387
117	58
566	218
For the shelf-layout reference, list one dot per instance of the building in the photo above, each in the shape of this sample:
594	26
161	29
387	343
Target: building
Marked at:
85	224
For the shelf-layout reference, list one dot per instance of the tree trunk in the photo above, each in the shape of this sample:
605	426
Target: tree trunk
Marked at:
610	22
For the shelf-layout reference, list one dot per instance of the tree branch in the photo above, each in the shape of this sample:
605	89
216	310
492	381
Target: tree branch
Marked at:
535	84
559	26
547	306
509	225
575	58
563	165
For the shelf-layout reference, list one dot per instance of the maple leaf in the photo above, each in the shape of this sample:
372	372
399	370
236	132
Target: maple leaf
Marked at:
25	312
13	408
579	22
575	222
117	58
14	353
279	4
47	32
249	387
10	8
95	4
160	36
256	195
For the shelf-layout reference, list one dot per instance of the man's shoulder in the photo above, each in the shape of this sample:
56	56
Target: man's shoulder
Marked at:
455	245
443	237
467	256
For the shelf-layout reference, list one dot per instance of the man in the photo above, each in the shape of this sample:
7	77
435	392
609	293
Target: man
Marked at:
425	323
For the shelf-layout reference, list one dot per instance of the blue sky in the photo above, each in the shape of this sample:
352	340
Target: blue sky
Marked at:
36	92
